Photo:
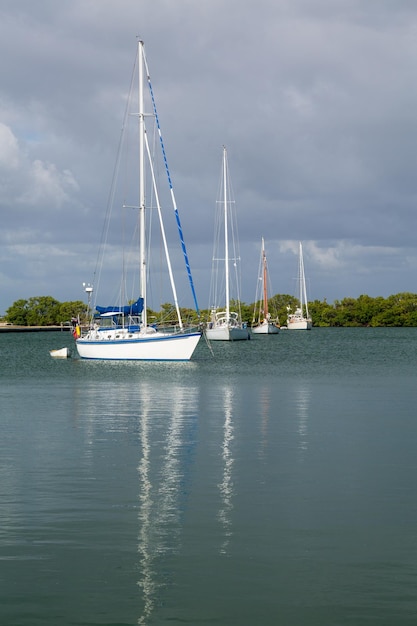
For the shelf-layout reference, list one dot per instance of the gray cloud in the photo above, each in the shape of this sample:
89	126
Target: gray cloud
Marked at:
315	101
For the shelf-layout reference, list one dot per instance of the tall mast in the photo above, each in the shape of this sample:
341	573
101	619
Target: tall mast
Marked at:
265	280
300	275
226	235
142	242
303	291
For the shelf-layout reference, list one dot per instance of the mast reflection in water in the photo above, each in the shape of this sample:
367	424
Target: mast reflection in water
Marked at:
162	473
226	485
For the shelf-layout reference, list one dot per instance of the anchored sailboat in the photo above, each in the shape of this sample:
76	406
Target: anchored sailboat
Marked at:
262	323
224	324
300	319
123	331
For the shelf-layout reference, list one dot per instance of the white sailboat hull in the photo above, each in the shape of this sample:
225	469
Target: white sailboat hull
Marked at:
227	333
142	347
299	324
265	328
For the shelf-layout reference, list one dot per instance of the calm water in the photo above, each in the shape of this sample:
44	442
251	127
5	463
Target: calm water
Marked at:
271	484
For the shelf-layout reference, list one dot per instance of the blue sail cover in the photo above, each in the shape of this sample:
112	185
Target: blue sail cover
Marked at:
131	309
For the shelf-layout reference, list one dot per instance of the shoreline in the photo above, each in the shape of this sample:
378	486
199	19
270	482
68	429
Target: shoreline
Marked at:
11	328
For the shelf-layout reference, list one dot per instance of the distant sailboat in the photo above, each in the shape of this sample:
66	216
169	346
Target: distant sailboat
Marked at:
262	323
224	324
300	319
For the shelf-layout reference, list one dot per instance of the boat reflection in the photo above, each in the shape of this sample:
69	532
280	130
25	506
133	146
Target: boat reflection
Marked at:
162	472
265	414
226	485
302	404
160	422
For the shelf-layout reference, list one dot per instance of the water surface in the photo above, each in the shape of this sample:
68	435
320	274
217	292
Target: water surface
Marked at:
272	483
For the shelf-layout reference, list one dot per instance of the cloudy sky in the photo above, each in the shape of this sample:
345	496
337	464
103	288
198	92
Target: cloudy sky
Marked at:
316	102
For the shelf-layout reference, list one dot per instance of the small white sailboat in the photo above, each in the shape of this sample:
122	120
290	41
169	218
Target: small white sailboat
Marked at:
262	323
224	324
123	331
300	319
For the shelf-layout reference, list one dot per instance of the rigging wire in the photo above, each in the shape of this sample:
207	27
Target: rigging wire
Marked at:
177	216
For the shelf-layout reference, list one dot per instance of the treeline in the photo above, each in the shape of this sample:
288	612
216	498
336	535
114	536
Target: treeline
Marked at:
396	310
43	311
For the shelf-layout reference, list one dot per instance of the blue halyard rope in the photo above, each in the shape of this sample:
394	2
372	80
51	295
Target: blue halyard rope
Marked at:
177	215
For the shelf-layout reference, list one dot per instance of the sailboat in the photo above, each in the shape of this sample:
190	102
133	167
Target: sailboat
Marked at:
123	331
224	324
300	319
262	323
